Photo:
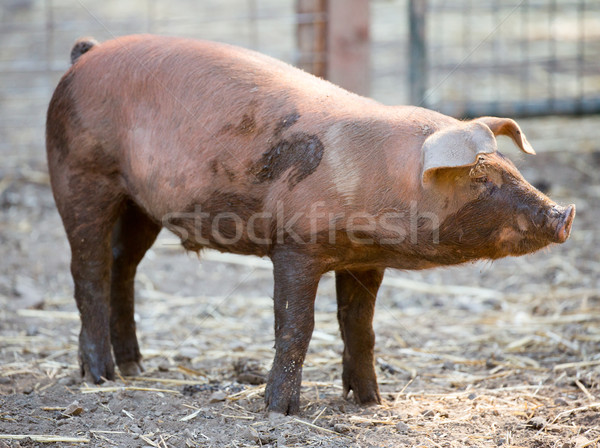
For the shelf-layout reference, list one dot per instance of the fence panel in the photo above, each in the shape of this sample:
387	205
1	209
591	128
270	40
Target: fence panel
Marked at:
517	58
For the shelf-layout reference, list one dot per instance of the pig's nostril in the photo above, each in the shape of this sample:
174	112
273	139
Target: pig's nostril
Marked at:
570	215
563	229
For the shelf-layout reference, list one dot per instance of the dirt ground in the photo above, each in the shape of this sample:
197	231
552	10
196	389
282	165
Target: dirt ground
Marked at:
487	354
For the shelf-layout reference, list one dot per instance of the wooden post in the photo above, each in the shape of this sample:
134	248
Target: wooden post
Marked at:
348	45
418	54
311	35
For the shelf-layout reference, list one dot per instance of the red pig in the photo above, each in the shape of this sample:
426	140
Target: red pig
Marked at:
235	151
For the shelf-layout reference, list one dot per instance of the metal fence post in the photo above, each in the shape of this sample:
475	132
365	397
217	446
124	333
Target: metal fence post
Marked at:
418	54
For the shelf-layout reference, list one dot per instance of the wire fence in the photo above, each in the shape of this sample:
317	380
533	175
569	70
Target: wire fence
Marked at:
516	58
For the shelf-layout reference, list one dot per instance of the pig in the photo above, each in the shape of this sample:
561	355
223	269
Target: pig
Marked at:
236	151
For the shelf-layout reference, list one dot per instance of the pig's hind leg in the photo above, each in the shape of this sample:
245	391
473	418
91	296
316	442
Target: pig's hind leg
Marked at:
133	234
356	293
89	204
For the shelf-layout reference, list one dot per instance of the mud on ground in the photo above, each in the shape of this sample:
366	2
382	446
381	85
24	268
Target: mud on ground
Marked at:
488	354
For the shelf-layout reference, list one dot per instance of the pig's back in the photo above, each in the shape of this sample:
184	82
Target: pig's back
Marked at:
188	79
184	118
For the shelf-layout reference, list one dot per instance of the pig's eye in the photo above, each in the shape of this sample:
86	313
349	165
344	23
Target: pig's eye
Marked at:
481	179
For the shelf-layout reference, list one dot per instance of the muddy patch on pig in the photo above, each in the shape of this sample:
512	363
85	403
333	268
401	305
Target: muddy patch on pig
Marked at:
285	123
301	153
245	127
217	167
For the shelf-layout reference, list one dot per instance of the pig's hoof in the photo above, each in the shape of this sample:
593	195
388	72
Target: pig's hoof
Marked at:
369	396
372	397
131	368
96	369
283	406
365	392
286	403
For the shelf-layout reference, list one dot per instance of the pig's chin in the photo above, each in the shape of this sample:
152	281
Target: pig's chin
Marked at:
513	242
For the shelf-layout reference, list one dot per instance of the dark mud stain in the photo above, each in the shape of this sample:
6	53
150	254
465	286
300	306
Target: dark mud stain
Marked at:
245	127
217	167
229	173
301	153
214	166
285	123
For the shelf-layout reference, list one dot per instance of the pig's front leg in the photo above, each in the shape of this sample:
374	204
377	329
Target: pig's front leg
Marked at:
356	293
295	289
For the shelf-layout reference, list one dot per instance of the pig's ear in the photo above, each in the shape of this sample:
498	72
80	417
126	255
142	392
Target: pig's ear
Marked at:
456	146
510	128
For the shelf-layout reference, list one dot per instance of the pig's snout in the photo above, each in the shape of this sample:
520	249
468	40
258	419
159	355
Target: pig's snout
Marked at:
550	223
561	219
558	221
